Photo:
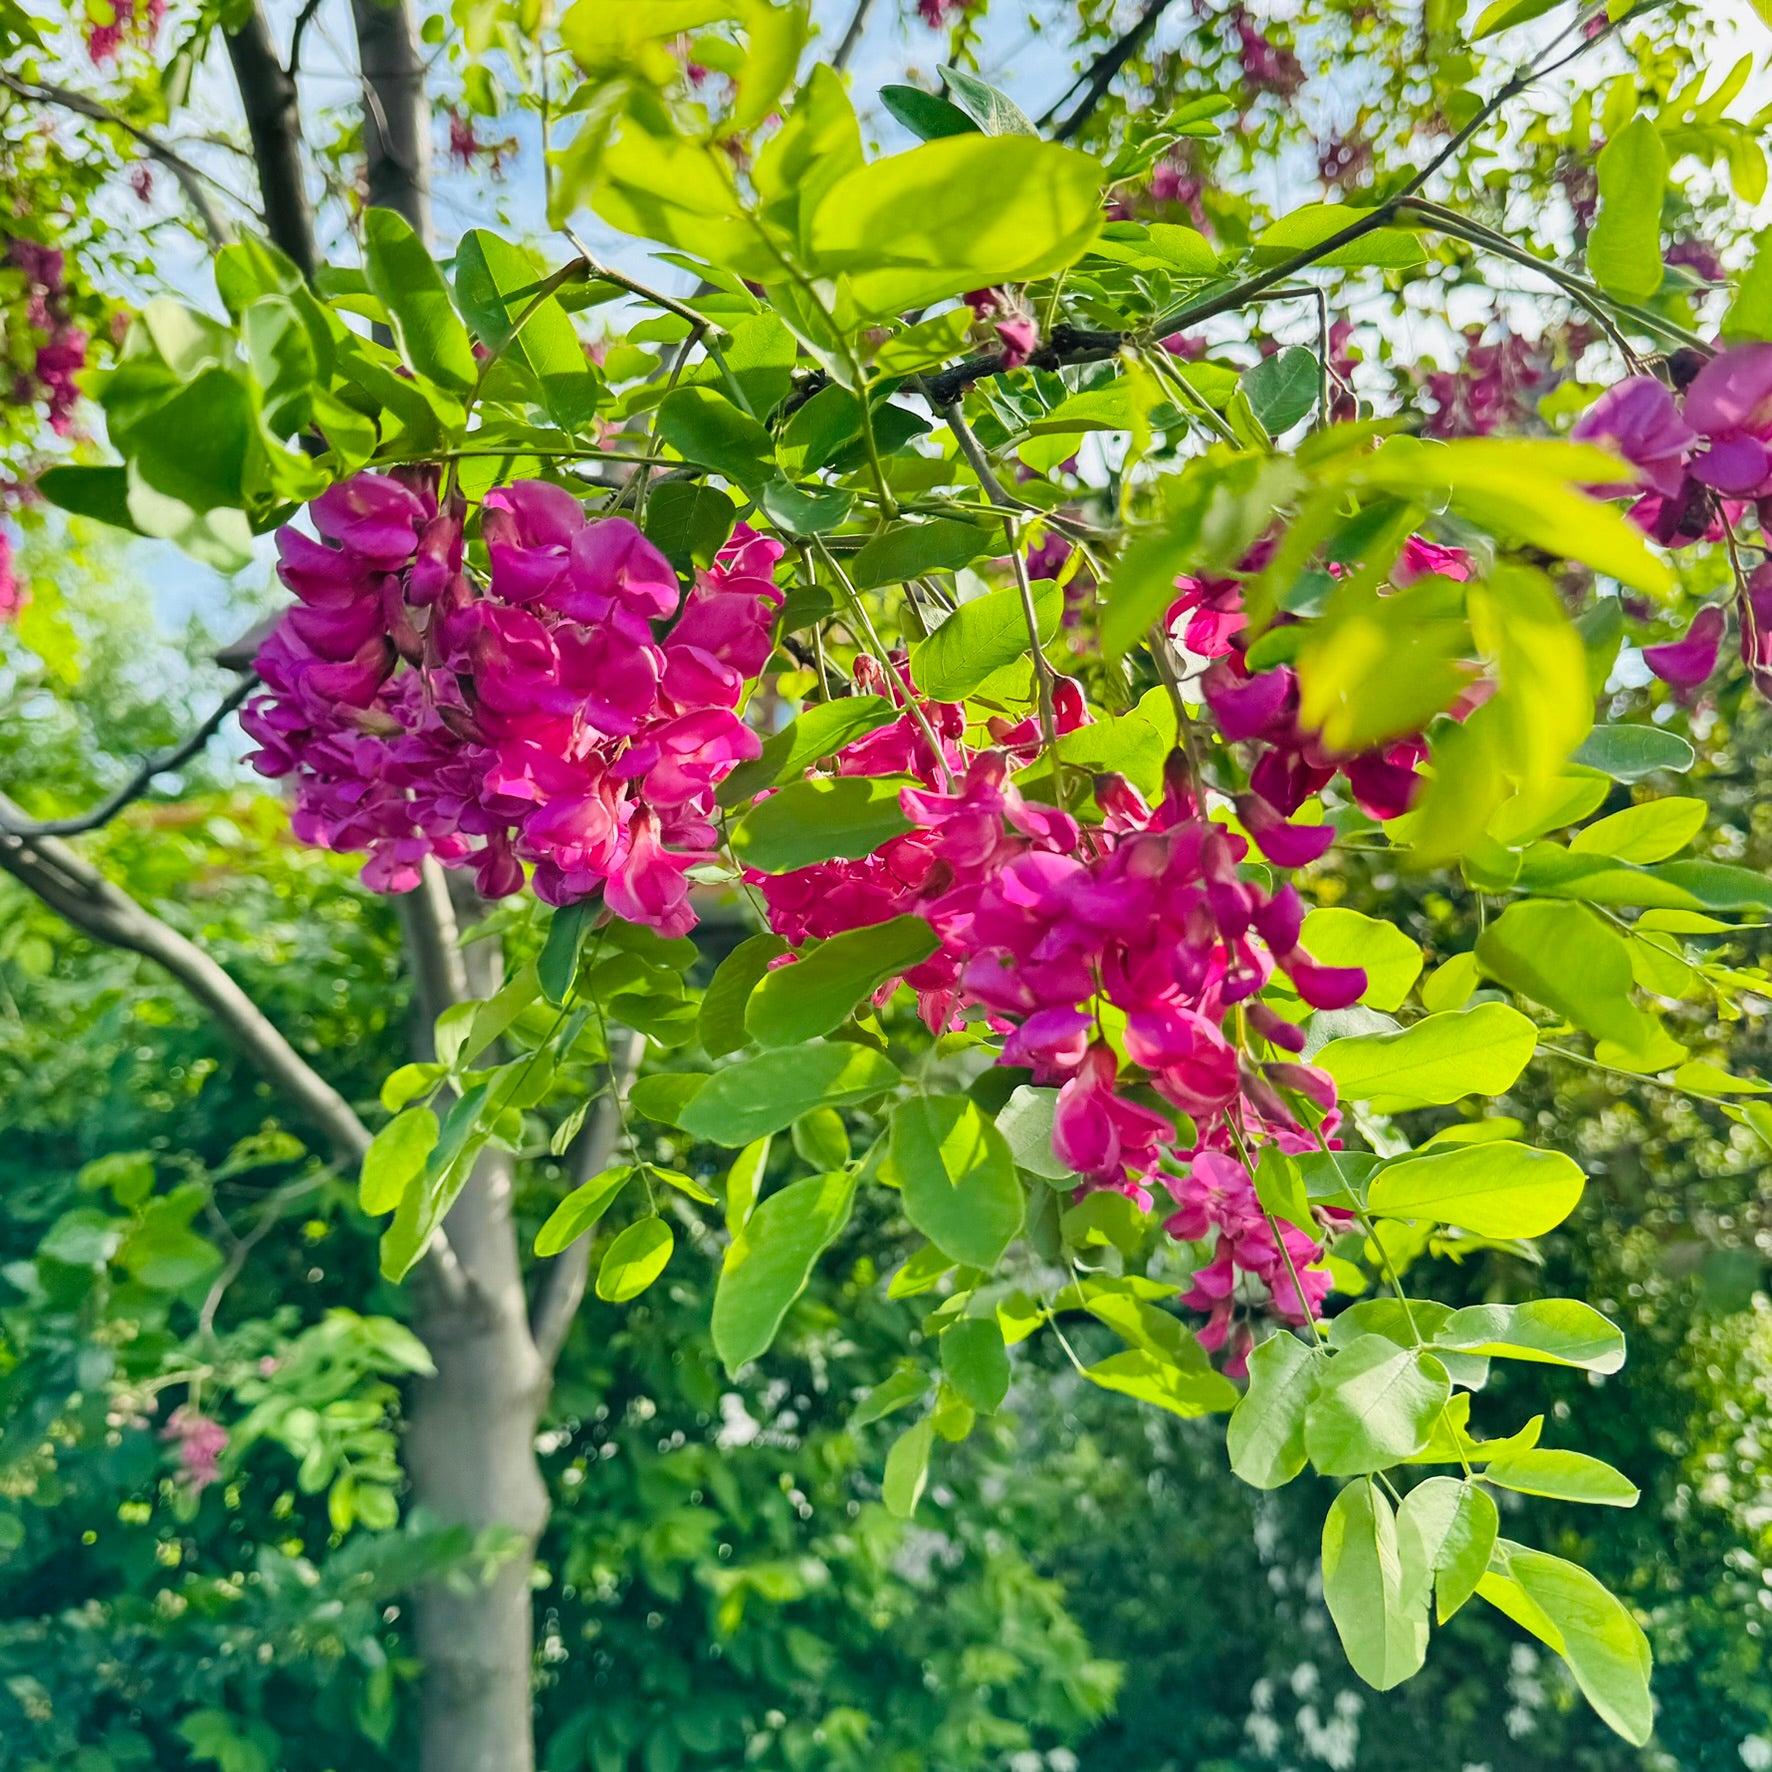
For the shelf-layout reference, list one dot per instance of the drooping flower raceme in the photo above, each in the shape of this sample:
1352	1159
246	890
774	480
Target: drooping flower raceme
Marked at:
553	715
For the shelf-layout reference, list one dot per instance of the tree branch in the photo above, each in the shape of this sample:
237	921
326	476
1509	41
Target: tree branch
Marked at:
192	179
858	23
138	783
273	118
78	892
562	1288
1100	74
303	19
1067	344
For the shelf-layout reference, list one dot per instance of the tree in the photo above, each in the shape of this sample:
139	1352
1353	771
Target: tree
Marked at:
1073	813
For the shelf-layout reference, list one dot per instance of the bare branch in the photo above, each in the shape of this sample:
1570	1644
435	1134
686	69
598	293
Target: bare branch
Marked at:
858	24
303	19
192	179
139	782
76	890
562	1288
1100	74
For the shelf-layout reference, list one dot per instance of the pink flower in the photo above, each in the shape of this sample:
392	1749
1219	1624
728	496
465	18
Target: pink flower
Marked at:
1637	418
1730	404
13	595
1020	339
200	1443
1689	661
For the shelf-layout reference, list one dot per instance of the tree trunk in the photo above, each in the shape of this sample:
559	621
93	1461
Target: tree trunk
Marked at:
273	119
396	111
470	1442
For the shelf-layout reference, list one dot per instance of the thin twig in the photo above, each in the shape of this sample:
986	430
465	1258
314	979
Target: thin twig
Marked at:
1101	73
191	177
858	24
139	782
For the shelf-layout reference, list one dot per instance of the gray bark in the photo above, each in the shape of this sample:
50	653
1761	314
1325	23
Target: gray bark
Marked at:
273	119
396	110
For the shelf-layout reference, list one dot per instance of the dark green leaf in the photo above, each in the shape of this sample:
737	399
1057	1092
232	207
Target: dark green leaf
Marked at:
722	1022
993	111
975	1363
926	116
1283	388
689	524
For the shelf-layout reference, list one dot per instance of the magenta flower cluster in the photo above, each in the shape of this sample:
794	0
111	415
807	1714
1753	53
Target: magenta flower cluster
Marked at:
1703	459
573	711
198	1443
58	347
1112	956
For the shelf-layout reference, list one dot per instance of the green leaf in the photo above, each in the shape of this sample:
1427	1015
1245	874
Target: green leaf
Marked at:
1282	389
1563	1476
820	819
980	637
1624	247
904	1387
1498	1189
394	1159
926	116
1388	248
1025	1121
689	524
424	1207
634	1260
1749	318
1563	956
993	111
1265	1435
1556	1331
1381	1620
1526	489
1502	15
1441	1059
907	1469
1604	1646
815	994
911	550
664	1095
428	330
721	1025
1218	505
1628	753
975	1362
770	1259
1148	1377
1650	832
704	427
818	732
1668	885
557	965
581	1209
99	493
1376	1404
1445	1532
1280	1189
1390	959
497	283
770	1092
957	1176
744	1181
909	230
821	1140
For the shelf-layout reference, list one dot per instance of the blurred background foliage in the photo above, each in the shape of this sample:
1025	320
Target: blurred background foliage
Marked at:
1088	1588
